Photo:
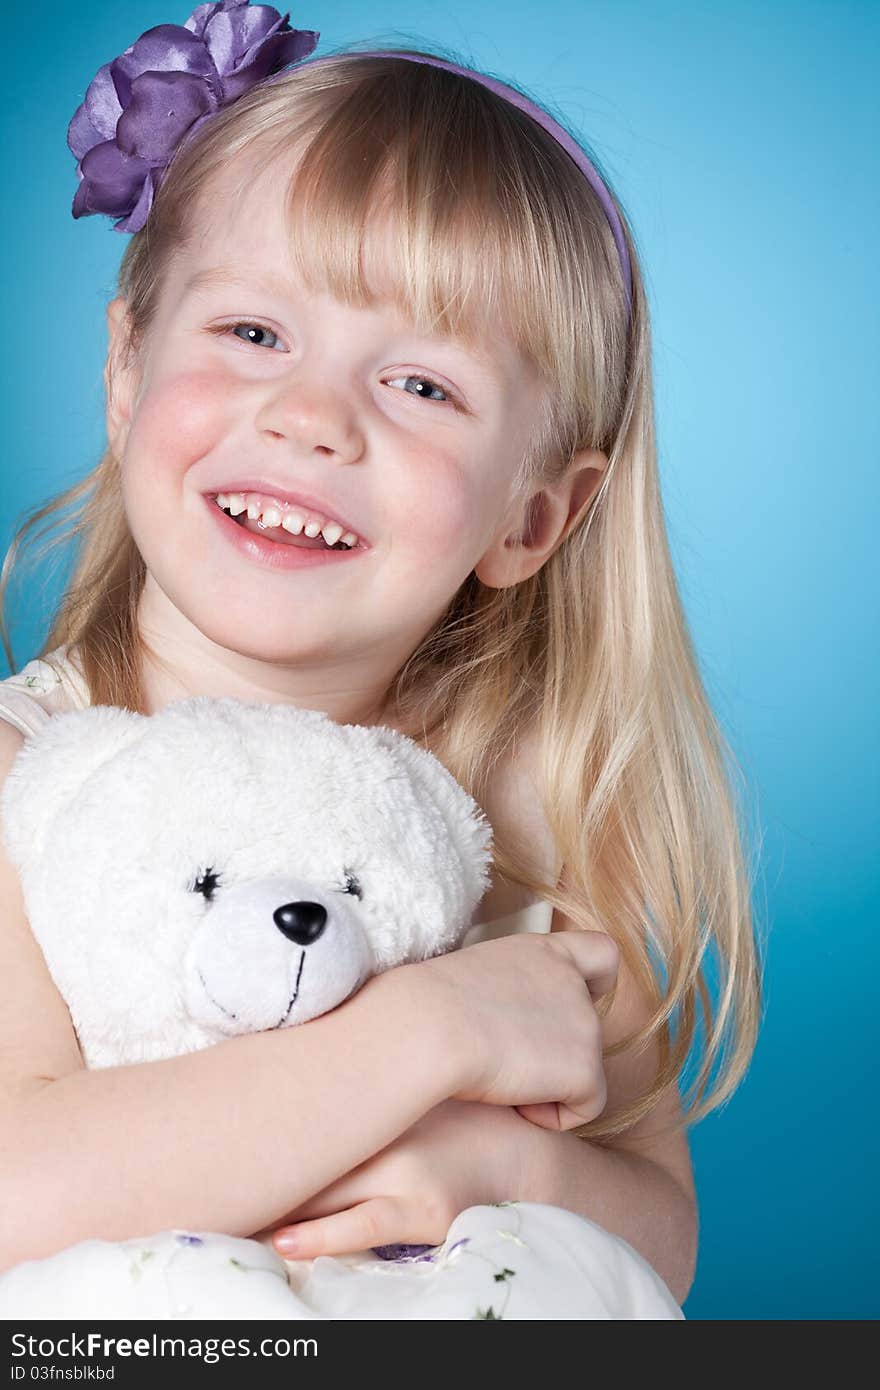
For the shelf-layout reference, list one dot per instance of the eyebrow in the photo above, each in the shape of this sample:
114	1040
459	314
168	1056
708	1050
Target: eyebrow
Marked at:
270	283
231	275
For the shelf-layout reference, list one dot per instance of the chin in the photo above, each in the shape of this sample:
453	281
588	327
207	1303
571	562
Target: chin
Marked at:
271	640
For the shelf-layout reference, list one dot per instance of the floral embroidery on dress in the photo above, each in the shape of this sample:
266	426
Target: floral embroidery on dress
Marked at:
136	1269
186	1238
442	1258
258	1269
568	1268
403	1252
40	681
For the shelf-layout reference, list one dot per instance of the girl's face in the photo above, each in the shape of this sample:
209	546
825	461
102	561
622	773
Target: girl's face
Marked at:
413	440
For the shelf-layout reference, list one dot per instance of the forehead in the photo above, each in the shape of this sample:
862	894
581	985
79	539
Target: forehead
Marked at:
240	236
238	221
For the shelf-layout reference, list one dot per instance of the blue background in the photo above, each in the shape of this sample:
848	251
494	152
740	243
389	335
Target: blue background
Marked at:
741	140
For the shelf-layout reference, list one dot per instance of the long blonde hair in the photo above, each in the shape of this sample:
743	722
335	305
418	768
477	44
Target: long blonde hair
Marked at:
592	653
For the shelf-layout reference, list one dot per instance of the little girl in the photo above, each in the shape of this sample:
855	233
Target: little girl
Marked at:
381	443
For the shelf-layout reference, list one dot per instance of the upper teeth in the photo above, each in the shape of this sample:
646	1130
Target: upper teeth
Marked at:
271	512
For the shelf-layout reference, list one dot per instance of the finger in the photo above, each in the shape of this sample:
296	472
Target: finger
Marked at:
380	1221
553	1115
586	1106
569	1119
543	1113
596	955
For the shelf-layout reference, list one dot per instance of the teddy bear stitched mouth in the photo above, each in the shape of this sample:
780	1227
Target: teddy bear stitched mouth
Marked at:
284	1017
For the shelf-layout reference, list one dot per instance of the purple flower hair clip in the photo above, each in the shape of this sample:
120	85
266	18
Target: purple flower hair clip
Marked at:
139	107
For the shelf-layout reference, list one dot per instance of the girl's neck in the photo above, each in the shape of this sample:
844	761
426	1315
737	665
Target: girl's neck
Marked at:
179	660
163	681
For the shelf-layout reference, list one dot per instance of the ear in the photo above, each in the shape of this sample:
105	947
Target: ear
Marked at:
52	769
119	377
465	843
537	523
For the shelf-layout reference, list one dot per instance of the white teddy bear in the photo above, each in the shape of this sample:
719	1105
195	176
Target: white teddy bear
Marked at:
224	867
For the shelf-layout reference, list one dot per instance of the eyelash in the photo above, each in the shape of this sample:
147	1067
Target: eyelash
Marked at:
226	330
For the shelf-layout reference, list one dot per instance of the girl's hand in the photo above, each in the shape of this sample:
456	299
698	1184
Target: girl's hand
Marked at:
519	1010
459	1154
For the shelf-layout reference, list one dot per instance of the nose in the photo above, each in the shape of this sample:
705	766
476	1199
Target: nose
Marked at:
314	418
301	922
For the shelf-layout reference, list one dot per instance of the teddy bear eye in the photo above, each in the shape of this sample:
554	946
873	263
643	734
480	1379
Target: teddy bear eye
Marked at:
206	883
351	885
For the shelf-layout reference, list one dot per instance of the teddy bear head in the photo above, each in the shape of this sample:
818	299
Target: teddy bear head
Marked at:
222	867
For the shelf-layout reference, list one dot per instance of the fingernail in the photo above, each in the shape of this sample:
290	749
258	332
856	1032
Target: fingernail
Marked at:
287	1244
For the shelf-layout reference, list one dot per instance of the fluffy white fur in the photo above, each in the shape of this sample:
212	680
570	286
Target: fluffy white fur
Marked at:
111	819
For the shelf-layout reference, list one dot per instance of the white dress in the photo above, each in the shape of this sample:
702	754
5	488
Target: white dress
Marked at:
43	688
513	1260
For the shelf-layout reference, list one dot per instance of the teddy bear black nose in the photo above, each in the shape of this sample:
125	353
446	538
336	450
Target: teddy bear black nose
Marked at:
301	922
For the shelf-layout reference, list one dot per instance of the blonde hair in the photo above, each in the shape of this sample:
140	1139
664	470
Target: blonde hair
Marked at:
592	653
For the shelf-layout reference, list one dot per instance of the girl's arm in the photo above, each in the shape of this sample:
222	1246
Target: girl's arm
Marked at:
628	1194
639	1184
229	1138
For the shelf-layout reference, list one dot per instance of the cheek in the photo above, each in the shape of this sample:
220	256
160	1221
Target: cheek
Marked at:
179	420
442	510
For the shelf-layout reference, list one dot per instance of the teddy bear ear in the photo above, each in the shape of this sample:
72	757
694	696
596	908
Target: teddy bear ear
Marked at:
52	766
467	825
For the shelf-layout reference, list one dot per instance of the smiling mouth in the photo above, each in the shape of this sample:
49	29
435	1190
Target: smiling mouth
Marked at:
284	1017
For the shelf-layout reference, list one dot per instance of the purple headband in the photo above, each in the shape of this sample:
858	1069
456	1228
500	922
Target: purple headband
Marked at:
139	107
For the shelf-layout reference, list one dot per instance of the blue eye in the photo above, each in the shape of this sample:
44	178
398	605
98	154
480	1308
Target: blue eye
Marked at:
252	328
425	380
